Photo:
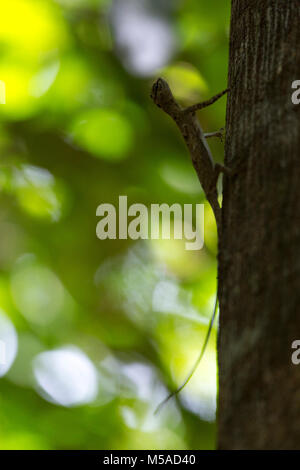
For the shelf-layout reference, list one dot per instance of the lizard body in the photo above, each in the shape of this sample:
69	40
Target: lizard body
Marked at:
207	170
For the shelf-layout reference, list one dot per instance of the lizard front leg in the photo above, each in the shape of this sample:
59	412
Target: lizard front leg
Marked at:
205	104
218	134
218	169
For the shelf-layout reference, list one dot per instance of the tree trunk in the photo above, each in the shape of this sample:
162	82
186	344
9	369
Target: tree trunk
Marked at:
259	258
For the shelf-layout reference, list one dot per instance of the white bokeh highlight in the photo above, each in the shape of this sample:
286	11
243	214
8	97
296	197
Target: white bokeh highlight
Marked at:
8	343
144	38
66	376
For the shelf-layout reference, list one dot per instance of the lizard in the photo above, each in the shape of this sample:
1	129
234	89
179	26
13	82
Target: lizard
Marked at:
207	170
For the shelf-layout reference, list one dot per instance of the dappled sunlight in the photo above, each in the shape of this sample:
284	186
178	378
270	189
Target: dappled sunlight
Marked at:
143	36
186	82
143	384
97	332
82	3
21	372
31	33
39	193
71	86
23	441
11	246
105	133
77	86
180	343
141	416
201	30
176	257
179	327
179	175
20	104
66	376
200	395
42	81
145	281
8	343
36	190
129	282
38	293
168	297
31	28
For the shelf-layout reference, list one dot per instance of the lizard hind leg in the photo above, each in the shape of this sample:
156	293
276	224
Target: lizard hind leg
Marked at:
212	198
219	168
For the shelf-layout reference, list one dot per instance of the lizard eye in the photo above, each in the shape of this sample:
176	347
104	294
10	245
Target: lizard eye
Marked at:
159	84
155	89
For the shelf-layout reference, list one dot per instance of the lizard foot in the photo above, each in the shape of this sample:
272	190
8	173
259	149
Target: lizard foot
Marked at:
219	134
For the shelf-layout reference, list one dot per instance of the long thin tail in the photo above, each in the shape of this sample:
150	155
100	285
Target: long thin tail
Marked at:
196	363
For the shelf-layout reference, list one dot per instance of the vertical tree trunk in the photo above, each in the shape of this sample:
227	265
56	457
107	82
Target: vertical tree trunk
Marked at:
259	260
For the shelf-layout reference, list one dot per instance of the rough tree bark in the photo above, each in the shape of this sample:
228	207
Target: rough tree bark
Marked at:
259	257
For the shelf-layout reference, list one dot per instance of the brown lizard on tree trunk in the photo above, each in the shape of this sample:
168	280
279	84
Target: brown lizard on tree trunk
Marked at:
207	170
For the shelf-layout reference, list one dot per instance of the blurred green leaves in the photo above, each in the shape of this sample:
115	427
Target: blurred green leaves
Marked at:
31	29
36	190
30	33
186	82
180	176
79	129
104	133
37	292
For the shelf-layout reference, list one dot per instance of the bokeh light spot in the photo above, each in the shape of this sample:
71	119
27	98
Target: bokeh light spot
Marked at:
143	36
180	176
19	102
185	81
66	376
103	132
39	193
31	27
8	343
37	292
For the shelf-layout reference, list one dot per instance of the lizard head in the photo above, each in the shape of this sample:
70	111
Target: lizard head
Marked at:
161	94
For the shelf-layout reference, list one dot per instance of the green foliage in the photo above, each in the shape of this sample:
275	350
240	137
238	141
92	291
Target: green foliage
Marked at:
103	327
